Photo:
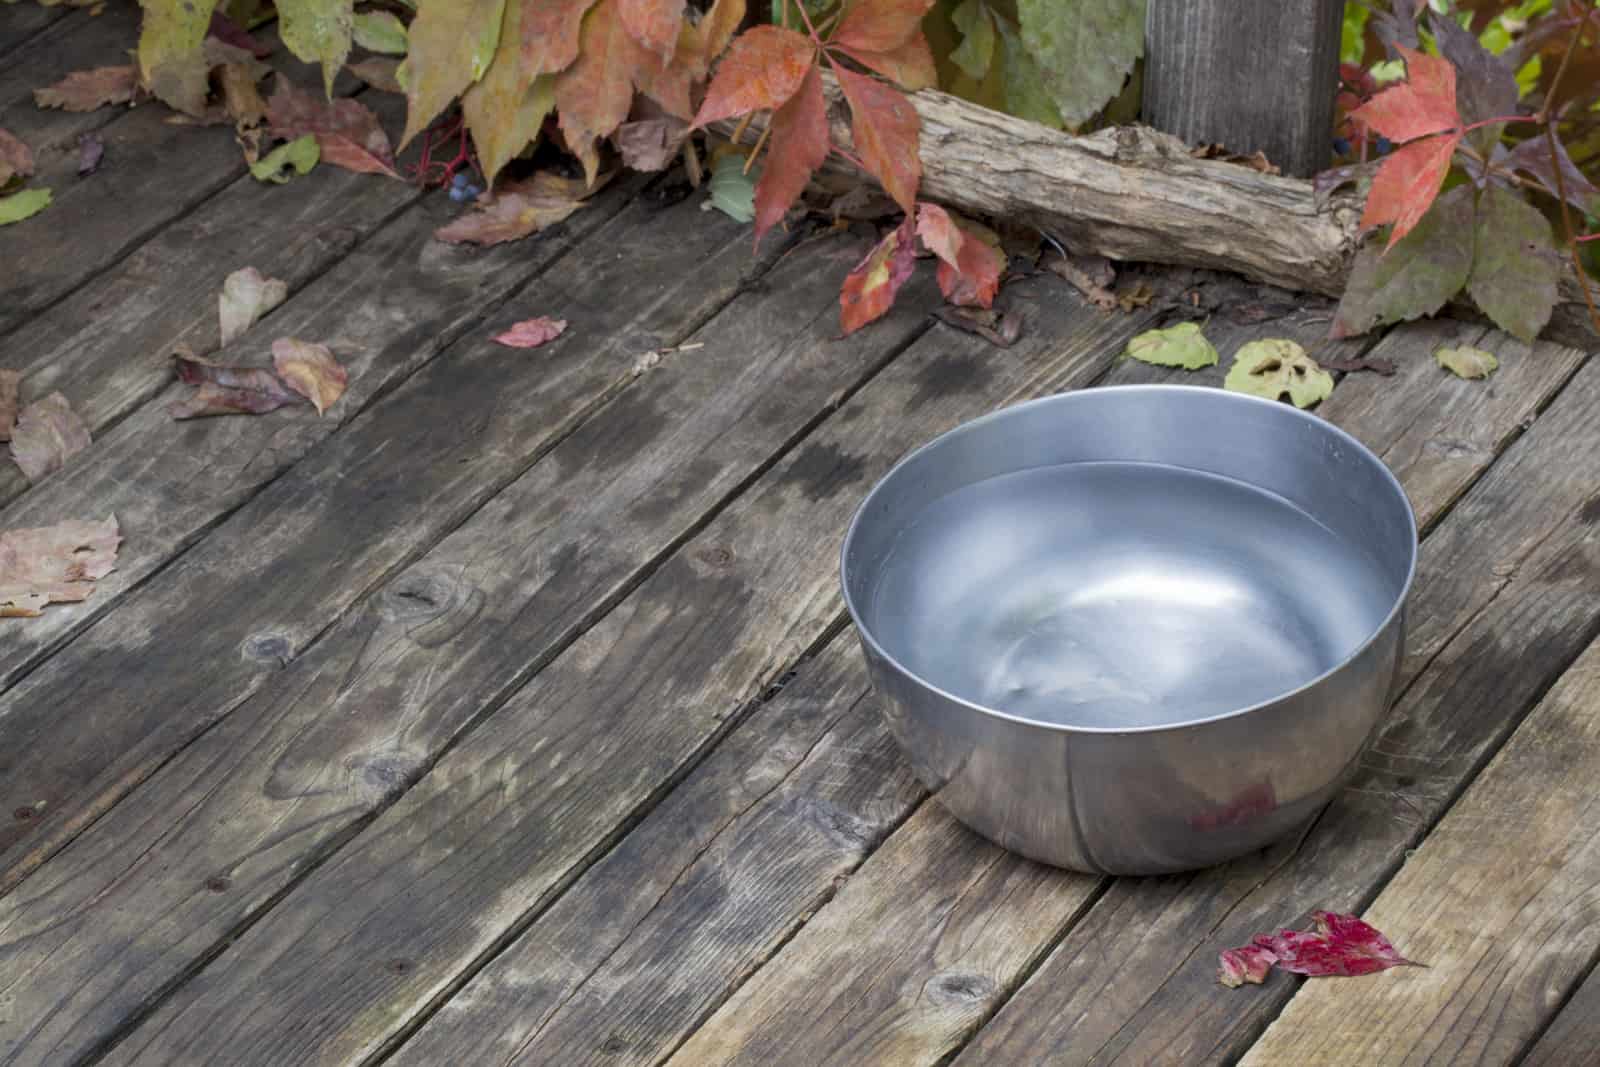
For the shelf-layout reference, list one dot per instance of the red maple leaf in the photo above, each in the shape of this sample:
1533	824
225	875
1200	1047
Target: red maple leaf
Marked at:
1341	946
884	126
799	147
870	289
1423	107
880	25
969	265
763	68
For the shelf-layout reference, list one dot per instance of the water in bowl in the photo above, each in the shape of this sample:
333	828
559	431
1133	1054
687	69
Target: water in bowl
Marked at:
1122	595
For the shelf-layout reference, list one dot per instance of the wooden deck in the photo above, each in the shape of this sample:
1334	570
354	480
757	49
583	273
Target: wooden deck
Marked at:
508	713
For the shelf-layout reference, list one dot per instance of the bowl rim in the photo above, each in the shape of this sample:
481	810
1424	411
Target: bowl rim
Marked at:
1227	396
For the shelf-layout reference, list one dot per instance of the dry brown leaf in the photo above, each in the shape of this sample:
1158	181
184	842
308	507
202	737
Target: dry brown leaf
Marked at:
651	144
518	209
10	383
347	132
85	90
240	96
227	390
16	158
54	564
381	74
531	333
247	295
1136	297
310	370
47	434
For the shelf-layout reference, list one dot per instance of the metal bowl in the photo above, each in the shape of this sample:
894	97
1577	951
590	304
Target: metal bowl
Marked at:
1134	630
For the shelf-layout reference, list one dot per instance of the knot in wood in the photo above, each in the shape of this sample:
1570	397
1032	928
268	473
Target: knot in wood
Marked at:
267	648
715	556
432	606
958	987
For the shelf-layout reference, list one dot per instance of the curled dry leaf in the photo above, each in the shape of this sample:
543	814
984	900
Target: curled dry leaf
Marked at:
310	370
1248	964
91	151
86	90
10	383
226	390
1182	345
998	328
1277	367
1467	362
531	333
970	257
347	132
16	158
516	210
870	288
246	296
54	564
651	144
240	97
47	434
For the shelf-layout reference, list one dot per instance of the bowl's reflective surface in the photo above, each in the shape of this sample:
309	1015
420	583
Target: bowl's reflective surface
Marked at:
1133	629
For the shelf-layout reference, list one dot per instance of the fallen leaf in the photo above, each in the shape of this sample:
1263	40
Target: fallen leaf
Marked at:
246	296
240	97
346	131
1182	345
54	564
869	290
505	110
1138	296
301	155
86	90
998	328
514	211
799	146
16	158
380	31
1342	946
884	127
47	434
227	390
1467	362
1092	284
1515	269
319	31
451	46
310	370
1415	277
531	333
970	258
1277	367
10	383
1248	964
91	151
1084	50
761	70
732	191
381	74
26	204
651	144
170	58
1257	161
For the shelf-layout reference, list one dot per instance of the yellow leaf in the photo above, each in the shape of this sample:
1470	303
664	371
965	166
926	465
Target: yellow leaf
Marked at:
318	31
503	111
170	60
452	45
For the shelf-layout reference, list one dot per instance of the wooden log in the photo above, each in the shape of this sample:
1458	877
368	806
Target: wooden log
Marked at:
1135	194
1254	75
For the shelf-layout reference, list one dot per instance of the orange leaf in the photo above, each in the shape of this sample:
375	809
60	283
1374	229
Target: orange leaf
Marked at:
700	43
310	370
653	23
550	31
870	289
763	68
884	126
880	25
593	96
799	147
910	65
969	263
1425	104
1406	184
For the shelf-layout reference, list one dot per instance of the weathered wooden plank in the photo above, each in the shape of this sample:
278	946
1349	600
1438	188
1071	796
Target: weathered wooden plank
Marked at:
77	41
1502	901
343	731
107	345
1505	598
492	833
21	23
440	445
1255	76
1575	1034
155	172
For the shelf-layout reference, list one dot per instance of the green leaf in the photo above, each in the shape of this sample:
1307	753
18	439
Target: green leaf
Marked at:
452	43
1026	95
301	154
318	31
1515	269
1466	362
1084	49
976	50
381	31
1416	277
1278	367
733	192
170	59
1182	345
18	206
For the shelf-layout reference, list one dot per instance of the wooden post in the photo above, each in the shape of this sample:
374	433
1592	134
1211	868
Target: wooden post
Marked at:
1254	75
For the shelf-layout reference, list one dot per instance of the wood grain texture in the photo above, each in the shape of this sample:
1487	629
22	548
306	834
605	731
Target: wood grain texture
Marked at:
1574	1037
1501	901
349	726
492	834
191	644
70	40
655	935
1257	76
21	23
107	346
1508	585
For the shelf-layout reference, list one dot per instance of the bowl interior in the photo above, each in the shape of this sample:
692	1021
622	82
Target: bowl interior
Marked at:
1130	557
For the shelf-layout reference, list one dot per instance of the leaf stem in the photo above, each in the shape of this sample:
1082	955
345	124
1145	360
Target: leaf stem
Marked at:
761	142
1508	119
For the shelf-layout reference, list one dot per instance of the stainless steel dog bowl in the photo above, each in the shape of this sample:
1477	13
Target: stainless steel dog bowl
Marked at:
1137	629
